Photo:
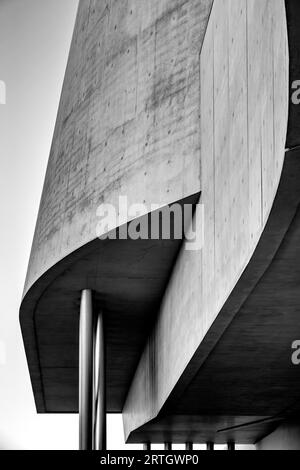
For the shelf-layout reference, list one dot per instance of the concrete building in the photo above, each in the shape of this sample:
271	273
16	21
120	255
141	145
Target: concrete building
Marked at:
173	102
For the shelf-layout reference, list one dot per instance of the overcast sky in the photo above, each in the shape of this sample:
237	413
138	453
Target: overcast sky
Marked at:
35	39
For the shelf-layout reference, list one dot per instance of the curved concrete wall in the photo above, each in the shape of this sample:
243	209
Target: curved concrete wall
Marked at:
128	121
243	123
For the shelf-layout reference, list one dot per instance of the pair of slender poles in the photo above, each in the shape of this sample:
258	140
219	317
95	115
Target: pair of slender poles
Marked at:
92	383
92	389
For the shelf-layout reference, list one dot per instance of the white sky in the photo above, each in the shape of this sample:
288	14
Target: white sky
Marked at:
35	39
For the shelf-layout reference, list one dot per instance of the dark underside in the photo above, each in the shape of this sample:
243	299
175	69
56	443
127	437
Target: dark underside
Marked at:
241	382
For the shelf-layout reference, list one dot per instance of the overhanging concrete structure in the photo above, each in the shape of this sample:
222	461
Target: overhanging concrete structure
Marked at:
169	102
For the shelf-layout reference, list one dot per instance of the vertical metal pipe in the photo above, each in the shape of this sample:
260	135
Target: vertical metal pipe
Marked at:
188	446
168	446
231	446
210	446
86	372
100	385
147	446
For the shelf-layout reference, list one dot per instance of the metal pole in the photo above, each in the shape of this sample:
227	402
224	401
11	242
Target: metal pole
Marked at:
231	446
99	386
189	446
168	446
210	446
86	372
147	446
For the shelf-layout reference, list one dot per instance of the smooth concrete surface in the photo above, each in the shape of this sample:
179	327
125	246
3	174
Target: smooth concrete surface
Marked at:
241	381
244	112
285	437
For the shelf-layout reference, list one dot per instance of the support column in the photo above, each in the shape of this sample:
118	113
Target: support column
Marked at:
86	349
168	446
147	446
210	446
231	446
189	446
92	384
99	386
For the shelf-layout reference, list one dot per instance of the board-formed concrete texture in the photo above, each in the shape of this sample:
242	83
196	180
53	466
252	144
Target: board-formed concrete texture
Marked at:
128	120
170	101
